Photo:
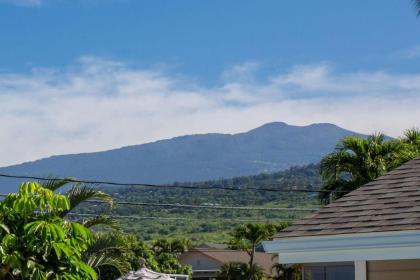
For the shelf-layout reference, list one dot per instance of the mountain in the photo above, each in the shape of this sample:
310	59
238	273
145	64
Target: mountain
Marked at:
271	147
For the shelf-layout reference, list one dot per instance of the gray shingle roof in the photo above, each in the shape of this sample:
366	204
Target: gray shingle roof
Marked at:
390	203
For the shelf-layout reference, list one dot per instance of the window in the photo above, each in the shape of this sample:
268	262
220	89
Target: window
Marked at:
329	272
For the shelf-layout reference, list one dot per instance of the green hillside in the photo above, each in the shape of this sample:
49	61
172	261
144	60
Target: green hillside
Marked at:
213	224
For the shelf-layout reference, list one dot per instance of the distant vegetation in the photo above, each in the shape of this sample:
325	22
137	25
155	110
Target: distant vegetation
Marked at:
208	224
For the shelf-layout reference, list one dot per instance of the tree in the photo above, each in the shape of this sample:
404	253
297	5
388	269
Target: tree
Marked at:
357	161
286	272
248	237
174	246
166	252
79	193
36	242
112	254
409	146
239	271
417	6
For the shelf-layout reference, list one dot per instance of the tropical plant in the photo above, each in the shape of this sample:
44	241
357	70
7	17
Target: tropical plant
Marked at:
107	253
172	246
36	242
113	254
409	146
78	193
248	237
286	272
417	6
357	161
239	271
166	252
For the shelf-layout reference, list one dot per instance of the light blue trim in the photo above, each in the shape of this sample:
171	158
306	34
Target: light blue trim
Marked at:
347	247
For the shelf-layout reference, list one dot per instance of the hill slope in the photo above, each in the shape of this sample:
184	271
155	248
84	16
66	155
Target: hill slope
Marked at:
212	225
269	148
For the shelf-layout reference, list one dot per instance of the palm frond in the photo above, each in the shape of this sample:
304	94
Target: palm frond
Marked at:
417	6
54	183
98	261
80	193
107	243
103	220
412	136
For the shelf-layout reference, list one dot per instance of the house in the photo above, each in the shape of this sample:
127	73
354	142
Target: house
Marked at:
207	259
371	233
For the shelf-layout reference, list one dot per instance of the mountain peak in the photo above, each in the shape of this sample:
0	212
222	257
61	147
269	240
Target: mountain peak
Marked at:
271	125
271	147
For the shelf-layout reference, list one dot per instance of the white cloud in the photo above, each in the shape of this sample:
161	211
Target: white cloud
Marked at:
100	104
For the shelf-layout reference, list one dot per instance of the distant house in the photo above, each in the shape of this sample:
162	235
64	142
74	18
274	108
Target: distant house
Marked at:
207	259
371	233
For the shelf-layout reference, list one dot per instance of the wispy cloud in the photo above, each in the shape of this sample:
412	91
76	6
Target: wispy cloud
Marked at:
100	104
408	53
25	3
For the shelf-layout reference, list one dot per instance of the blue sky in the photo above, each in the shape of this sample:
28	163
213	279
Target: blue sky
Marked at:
202	38
88	75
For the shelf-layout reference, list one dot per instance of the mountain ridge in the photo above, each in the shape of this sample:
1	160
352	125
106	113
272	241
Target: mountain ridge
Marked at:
268	148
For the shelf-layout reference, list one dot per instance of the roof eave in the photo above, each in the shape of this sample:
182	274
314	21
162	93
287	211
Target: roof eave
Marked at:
347	247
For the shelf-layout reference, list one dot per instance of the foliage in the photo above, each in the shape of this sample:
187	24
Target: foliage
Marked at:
36	243
113	254
79	193
207	225
174	246
417	6
239	271
108	252
286	272
166	254
248	237
357	161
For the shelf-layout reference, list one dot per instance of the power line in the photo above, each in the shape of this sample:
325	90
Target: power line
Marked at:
197	206
172	218
201	187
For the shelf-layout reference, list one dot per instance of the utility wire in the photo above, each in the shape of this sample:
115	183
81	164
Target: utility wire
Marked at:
200	187
172	218
178	205
198	206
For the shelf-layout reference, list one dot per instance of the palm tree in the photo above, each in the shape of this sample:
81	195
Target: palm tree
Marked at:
357	161
409	146
417	6
239	271
284	272
108	255
79	193
103	252
248	237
